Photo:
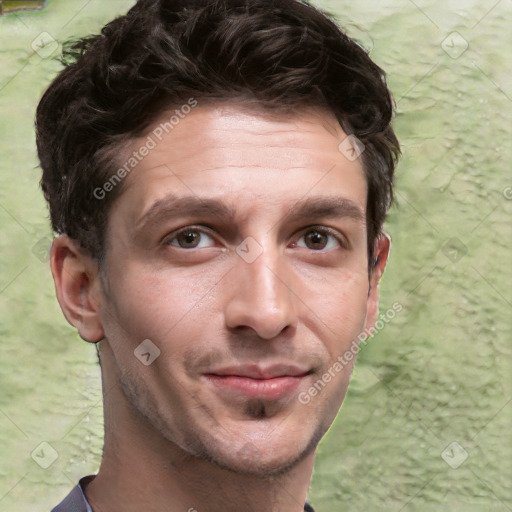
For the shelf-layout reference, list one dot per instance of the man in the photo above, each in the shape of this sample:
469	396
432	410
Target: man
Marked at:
218	174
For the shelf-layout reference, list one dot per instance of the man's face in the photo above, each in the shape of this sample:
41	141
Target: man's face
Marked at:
238	247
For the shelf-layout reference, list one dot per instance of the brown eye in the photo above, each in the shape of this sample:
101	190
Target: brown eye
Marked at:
191	239
188	239
318	240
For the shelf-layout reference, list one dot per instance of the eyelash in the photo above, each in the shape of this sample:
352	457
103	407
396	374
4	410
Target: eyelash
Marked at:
199	229
319	229
326	232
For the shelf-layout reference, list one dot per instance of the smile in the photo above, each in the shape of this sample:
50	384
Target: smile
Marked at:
267	388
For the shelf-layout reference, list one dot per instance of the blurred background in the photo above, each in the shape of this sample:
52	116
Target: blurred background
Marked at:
426	425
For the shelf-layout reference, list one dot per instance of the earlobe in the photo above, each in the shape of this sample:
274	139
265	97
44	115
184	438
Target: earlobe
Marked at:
76	278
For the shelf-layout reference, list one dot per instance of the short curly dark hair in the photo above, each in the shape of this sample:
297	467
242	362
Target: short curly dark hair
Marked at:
282	54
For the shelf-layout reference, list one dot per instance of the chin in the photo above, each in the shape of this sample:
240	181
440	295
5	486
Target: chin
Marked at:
253	454
258	464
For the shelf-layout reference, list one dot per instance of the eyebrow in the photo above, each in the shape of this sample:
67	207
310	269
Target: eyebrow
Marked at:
326	207
174	206
193	206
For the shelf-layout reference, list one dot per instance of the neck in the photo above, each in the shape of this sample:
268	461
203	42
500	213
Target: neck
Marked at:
142	470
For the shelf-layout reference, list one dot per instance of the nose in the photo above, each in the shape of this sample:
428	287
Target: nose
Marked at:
260	297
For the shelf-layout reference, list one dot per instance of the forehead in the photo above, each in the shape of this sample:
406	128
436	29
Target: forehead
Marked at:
241	154
232	129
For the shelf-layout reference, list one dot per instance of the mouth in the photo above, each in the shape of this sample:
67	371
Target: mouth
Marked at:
267	383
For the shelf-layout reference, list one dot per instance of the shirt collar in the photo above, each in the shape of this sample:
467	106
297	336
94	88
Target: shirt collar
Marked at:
78	501
83	481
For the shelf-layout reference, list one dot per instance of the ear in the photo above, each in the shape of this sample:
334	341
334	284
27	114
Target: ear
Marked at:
381	254
76	277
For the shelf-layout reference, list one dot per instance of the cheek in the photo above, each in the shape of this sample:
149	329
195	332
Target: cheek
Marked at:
339	296
338	308
147	303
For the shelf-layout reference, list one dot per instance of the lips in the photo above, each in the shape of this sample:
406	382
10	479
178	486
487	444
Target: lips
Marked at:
253	381
261	372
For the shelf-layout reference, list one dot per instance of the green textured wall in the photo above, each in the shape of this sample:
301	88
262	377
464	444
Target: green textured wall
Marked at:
438	373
